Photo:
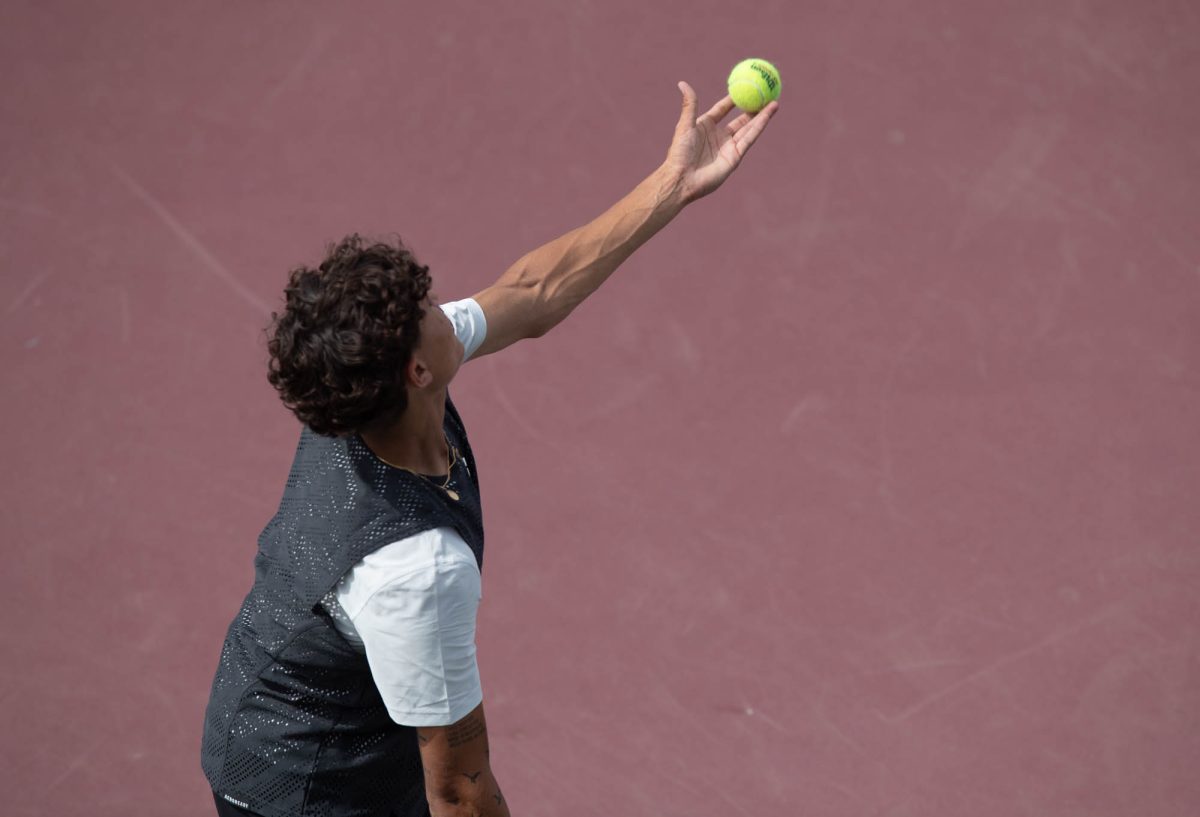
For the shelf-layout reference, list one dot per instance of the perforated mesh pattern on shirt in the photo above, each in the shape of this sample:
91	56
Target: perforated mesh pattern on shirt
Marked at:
295	724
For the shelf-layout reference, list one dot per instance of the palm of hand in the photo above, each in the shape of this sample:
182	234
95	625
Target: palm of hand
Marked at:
704	152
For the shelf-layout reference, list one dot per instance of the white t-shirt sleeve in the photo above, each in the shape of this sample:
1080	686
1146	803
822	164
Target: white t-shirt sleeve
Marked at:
413	604
470	325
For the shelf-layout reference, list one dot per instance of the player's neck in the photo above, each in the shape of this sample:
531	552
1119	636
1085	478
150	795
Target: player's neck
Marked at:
417	441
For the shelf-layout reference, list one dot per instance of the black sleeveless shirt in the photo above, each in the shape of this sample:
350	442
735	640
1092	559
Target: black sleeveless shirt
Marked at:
295	725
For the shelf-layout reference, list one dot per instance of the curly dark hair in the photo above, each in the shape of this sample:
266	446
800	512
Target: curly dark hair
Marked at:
346	335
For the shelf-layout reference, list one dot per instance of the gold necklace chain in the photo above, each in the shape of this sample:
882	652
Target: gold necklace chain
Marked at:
451	461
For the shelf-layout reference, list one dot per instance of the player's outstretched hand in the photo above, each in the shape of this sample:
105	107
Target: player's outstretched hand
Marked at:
704	152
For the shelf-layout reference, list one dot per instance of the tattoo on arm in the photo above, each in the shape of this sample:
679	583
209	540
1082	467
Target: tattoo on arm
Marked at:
465	731
474	778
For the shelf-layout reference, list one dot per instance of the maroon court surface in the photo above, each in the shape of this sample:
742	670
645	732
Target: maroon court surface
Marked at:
868	487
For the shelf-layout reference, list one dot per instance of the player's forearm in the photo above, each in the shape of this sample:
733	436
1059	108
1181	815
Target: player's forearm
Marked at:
561	274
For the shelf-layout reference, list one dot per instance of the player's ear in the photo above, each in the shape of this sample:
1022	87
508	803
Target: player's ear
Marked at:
417	372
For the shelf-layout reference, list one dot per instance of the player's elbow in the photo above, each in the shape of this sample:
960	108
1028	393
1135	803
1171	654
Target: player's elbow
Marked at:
549	306
538	328
517	307
540	308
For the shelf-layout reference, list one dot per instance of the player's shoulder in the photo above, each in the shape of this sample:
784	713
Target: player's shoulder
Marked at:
418	562
431	547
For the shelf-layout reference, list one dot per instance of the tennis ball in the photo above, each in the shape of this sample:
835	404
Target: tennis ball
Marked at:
753	83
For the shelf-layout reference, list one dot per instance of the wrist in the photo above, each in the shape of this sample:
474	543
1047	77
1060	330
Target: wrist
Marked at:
670	194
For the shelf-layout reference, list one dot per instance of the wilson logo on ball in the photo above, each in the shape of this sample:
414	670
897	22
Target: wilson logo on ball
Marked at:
767	75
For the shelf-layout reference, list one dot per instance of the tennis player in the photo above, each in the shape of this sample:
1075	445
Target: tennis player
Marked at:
347	682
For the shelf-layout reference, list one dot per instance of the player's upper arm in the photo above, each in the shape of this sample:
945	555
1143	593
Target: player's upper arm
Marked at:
512	312
457	768
414	605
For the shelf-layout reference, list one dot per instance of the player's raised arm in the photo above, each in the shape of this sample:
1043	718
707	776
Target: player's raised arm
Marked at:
537	292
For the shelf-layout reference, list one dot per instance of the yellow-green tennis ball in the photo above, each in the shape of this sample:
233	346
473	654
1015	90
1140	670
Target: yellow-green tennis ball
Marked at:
753	83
